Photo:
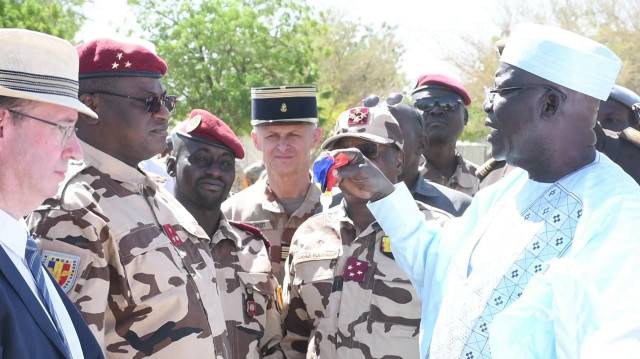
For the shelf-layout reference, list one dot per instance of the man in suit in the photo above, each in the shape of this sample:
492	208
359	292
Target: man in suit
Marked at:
38	112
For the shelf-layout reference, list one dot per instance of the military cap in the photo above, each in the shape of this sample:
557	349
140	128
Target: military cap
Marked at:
624	96
439	80
375	124
39	67
111	58
284	104
204	127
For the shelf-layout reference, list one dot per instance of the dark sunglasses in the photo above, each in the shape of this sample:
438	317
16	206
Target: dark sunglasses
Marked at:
426	104
369	150
151	103
374	100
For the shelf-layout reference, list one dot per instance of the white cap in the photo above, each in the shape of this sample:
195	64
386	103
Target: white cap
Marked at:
566	58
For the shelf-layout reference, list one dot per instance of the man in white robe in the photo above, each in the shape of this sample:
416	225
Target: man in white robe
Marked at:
544	260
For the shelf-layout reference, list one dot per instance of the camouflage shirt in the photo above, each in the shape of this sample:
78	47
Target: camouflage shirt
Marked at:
248	289
257	206
463	179
142	274
345	296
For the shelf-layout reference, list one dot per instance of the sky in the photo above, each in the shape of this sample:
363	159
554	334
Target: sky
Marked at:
421	24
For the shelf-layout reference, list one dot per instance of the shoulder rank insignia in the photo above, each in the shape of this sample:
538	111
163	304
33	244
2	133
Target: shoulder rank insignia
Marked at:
385	247
63	267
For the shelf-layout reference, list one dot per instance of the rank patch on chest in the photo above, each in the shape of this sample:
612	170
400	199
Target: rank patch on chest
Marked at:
172	234
356	269
63	267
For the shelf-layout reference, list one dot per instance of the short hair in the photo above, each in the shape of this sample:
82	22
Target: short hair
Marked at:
11	103
89	86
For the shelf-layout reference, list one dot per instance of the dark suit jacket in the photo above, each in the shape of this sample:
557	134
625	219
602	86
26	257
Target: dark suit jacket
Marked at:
25	329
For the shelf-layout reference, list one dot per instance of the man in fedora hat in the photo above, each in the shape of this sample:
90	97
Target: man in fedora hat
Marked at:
546	260
284	130
144	278
38	111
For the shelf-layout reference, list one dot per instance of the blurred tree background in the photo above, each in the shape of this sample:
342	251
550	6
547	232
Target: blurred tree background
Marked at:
218	49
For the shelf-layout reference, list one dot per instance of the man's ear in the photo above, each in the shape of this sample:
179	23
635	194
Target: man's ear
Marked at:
466	116
423	143
171	166
256	143
550	105
400	162
317	137
92	102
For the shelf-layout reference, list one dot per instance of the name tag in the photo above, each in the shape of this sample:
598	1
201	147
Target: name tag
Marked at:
315	255
261	225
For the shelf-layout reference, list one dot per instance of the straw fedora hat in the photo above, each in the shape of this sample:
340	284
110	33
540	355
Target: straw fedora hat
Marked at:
39	67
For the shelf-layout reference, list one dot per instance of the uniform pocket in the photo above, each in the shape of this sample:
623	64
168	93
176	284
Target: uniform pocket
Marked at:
315	278
151	263
394	299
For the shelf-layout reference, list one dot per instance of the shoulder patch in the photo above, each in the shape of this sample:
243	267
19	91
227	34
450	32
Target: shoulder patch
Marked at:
632	135
253	230
63	267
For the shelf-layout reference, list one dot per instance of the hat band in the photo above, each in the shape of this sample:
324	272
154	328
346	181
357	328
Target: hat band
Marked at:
52	85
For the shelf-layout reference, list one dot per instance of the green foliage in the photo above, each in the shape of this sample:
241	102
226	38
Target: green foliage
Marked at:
354	61
217	50
61	18
475	129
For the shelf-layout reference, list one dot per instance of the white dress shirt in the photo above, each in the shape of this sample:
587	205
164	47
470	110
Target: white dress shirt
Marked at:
14	242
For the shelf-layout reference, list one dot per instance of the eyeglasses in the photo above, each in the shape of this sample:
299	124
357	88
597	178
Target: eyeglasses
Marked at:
370	150
66	131
490	92
374	100
152	103
426	104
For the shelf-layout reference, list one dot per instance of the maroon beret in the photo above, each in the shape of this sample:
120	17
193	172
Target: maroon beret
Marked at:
205	127
109	57
443	80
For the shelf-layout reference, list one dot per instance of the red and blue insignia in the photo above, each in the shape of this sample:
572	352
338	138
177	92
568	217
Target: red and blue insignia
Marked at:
358	116
63	267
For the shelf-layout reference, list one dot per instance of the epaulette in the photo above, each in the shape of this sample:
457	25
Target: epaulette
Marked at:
253	230
632	135
486	168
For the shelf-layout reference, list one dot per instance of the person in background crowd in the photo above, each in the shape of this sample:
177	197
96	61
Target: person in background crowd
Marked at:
143	277
441	100
345	296
38	112
284	130
203	160
540	264
620	111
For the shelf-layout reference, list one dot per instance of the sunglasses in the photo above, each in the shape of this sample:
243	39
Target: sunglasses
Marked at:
151	103
369	150
374	100
66	131
426	104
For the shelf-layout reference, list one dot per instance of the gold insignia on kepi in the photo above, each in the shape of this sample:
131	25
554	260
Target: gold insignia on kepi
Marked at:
193	123
63	267
283	108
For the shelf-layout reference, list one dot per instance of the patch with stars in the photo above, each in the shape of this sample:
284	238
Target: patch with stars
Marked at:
355	270
358	116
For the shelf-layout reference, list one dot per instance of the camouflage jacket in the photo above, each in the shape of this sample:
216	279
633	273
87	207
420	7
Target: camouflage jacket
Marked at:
463	179
142	275
248	290
344	294
257	206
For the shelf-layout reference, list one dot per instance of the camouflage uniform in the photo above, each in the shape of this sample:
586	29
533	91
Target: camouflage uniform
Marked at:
257	206
248	290
145	279
380	314
463	179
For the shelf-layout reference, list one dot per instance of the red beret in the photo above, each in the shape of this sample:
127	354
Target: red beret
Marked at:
438	79
205	127
108	57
